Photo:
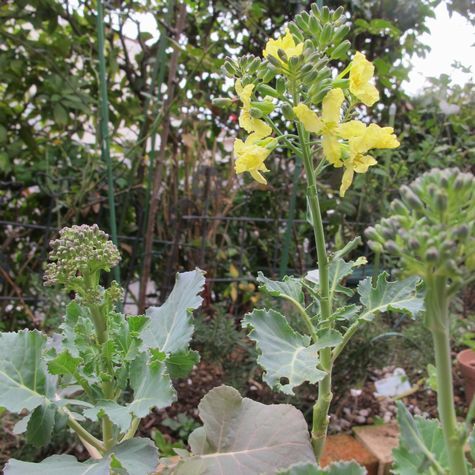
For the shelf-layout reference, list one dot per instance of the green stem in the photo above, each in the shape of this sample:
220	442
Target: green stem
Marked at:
104	123
84	434
132	429
438	318
322	405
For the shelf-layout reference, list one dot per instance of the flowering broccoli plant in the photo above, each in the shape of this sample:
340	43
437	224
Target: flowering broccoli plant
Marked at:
432	231
102	367
295	98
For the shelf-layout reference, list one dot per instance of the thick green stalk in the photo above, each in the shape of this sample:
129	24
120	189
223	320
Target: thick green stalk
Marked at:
84	434
100	323
438	318
322	405
104	128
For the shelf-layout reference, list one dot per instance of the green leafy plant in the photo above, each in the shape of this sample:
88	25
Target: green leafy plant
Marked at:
432	231
102	366
296	77
183	425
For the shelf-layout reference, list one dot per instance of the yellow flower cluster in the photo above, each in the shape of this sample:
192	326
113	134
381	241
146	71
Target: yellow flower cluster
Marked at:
286	43
353	154
250	155
344	144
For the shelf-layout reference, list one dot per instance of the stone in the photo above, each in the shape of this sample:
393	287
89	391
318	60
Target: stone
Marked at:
380	441
343	447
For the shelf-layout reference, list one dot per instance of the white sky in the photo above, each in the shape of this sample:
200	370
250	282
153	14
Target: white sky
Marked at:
451	39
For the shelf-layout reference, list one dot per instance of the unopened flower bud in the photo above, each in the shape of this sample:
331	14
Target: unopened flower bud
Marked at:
274	61
222	101
432	255
411	198
256	113
414	244
375	246
397	206
282	55
341	50
461	232
253	65
392	247
371	233
441	200
287	112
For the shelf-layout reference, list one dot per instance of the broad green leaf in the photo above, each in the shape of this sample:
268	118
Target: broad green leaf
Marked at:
57	465
243	436
421	444
337	468
286	356
128	335
136	456
338	269
170	328
180	364
402	296
40	425
21	426
328	339
64	364
151	384
119	415
23	378
289	288
348	312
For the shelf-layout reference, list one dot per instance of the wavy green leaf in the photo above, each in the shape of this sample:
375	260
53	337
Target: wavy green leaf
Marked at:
337	468
170	328
41	424
402	296
24	383
151	384
421	444
136	456
286	356
119	415
243	436
289	288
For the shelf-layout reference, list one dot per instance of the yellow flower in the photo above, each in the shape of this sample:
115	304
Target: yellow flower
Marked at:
369	137
250	157
285	43
246	121
361	139
327	125
361	74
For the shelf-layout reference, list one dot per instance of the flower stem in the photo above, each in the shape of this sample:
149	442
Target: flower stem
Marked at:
322	405
438	319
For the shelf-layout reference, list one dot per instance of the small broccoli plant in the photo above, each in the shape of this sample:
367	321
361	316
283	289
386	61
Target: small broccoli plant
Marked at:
432	232
103	368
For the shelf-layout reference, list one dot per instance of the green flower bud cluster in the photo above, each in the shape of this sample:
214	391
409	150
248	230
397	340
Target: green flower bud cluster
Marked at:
78	255
324	28
432	228
248	67
323	33
114	294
